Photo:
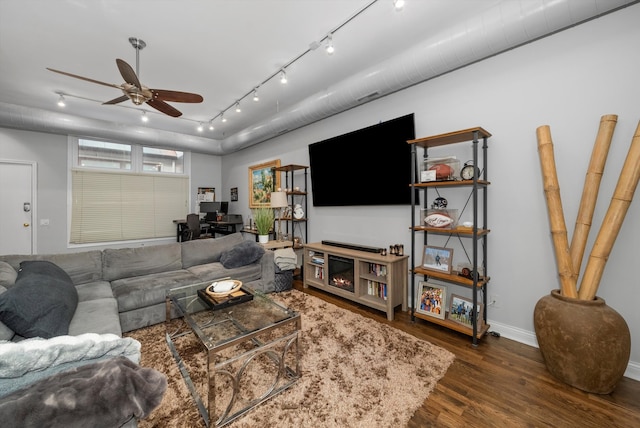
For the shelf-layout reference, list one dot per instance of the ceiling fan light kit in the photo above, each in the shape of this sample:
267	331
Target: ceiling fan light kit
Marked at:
138	93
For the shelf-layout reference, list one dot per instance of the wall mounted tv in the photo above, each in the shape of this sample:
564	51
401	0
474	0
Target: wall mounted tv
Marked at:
370	166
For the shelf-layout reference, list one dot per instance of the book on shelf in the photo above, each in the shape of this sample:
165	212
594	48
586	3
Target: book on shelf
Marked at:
319	273
377	289
377	269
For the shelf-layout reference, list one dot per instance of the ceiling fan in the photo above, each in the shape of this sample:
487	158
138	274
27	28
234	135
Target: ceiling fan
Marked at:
138	93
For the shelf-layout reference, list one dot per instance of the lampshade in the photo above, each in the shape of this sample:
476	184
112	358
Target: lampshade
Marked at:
279	200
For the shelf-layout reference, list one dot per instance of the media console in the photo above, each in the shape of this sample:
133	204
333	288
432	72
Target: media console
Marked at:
358	274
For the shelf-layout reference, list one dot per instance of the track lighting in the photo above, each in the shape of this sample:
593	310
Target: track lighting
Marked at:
61	102
200	127
144	117
211	128
281	74
329	48
398	4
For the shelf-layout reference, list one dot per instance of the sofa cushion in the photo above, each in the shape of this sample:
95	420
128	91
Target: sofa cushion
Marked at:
41	303
215	271
142	291
96	316
8	275
130	262
202	251
82	267
245	253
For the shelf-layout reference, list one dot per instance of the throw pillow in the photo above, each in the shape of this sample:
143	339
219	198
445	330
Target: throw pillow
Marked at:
5	332
243	254
42	301
8	275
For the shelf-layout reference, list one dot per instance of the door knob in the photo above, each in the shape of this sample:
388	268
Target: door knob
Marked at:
25	224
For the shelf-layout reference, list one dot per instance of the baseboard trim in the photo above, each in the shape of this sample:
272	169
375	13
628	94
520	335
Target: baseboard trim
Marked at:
529	338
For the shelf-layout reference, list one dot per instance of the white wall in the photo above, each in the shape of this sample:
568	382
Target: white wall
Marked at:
567	81
49	151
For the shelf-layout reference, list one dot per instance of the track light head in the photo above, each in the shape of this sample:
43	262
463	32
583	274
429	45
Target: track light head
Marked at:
144	117
283	77
200	127
238	109
61	102
222	118
329	48
398	4
255	95
211	128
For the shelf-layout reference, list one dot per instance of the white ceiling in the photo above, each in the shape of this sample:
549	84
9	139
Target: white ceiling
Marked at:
220	49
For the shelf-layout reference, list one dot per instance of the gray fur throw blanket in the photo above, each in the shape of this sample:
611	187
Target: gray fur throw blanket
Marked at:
104	394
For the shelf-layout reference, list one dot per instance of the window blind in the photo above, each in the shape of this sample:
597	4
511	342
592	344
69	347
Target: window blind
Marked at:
117	206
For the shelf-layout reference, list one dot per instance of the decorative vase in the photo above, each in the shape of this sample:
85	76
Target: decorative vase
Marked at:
584	343
263	239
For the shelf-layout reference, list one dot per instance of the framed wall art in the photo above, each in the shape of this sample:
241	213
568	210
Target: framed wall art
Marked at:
437	258
262	181
206	194
234	194
461	311
432	299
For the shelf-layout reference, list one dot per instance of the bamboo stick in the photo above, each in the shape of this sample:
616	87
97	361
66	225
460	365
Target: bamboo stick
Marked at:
620	201
556	216
590	190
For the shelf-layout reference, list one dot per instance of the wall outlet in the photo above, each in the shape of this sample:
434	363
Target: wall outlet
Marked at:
44	222
494	300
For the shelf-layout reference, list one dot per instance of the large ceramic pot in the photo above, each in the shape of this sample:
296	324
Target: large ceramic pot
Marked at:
584	343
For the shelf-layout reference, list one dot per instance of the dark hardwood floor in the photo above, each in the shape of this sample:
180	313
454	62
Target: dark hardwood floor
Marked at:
502	383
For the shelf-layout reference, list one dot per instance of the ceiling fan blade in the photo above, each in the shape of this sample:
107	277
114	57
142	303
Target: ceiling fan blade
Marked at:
164	107
176	96
85	78
128	74
117	100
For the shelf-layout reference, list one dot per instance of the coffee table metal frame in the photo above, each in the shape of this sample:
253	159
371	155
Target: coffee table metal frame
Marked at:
284	341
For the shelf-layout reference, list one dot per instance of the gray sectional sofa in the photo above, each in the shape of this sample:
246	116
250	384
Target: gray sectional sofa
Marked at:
124	289
119	290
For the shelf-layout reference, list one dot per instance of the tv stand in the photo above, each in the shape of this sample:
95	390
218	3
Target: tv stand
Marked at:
378	281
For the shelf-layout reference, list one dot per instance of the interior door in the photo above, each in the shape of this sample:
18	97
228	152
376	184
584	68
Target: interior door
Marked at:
16	210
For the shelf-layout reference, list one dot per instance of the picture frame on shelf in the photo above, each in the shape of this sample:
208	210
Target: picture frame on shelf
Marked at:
262	181
461	311
437	258
432	299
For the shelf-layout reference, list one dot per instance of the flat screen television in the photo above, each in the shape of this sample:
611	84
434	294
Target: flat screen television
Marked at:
370	166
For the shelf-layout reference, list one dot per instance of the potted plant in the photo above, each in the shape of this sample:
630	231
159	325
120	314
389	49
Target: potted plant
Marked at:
263	219
584	342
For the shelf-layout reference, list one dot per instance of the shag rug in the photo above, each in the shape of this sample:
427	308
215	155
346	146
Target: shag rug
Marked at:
356	372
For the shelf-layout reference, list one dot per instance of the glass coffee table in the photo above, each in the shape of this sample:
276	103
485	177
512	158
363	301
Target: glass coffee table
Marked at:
252	350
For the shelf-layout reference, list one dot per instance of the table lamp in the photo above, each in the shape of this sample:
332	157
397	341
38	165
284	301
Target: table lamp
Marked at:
279	201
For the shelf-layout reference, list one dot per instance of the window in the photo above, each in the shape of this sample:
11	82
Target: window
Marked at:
125	192
103	154
162	160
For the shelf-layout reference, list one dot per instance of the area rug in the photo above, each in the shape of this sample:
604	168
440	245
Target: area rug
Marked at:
356	372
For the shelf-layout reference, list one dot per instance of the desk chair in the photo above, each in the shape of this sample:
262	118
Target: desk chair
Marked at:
193	230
